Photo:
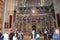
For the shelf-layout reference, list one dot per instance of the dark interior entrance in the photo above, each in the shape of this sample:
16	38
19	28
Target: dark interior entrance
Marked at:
34	27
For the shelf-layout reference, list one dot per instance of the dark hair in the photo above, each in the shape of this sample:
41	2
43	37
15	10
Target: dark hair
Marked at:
0	34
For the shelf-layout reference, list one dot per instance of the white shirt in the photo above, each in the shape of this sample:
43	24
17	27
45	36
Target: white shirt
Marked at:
33	32
5	36
14	38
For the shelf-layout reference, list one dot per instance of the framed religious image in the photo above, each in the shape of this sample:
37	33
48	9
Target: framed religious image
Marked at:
6	25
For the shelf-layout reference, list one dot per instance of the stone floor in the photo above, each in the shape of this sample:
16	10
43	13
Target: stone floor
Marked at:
29	38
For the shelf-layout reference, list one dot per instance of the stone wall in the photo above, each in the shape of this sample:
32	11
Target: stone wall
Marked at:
57	9
1	12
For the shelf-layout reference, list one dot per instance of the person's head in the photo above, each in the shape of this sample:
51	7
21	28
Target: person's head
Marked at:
33	31
6	32
15	34
57	31
48	30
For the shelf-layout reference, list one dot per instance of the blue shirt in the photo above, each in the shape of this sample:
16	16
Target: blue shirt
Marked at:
55	36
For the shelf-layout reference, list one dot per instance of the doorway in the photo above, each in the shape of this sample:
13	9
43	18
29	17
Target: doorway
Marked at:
34	27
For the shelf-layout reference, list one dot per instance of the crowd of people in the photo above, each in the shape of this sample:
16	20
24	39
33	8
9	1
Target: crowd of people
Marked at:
15	35
35	35
48	35
52	35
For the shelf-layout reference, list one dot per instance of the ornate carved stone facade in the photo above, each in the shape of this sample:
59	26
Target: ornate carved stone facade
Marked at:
43	17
